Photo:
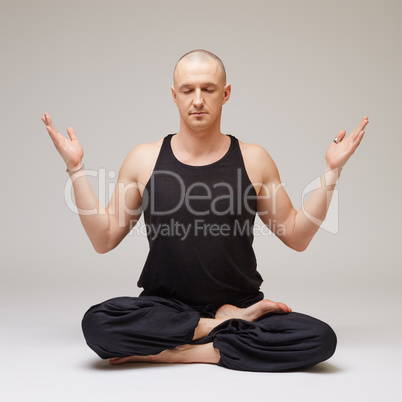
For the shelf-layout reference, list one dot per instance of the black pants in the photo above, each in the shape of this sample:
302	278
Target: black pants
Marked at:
147	325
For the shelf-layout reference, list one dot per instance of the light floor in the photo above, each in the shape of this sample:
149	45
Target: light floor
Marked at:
45	358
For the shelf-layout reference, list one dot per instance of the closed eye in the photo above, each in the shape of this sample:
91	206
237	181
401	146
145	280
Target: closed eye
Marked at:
206	90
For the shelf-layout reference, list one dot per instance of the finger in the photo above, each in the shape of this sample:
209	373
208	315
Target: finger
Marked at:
54	136
357	132
360	127
52	131
44	119
71	133
356	143
359	138
48	120
341	135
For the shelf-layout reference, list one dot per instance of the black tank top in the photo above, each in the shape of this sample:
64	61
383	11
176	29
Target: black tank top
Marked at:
199	222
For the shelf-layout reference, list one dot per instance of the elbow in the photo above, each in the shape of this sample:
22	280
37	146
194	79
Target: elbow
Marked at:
101	250
297	246
105	247
300	246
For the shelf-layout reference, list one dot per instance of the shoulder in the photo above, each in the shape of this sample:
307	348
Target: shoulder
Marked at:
258	160
141	159
253	150
145	151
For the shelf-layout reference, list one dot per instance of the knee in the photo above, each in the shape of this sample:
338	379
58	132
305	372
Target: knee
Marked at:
318	337
93	329
97	322
107	326
326	341
88	323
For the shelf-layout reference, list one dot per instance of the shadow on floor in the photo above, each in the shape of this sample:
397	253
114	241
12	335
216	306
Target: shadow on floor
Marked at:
321	368
104	365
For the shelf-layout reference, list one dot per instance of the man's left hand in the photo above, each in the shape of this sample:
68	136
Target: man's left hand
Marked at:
338	153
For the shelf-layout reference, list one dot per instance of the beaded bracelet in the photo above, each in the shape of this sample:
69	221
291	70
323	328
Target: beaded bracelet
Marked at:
73	171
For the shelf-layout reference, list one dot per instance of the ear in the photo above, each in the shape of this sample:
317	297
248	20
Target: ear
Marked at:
226	93
173	94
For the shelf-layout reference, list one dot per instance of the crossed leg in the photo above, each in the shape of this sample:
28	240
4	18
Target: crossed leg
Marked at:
206	353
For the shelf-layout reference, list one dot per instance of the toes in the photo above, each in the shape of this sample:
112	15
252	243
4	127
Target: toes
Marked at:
119	360
275	307
283	308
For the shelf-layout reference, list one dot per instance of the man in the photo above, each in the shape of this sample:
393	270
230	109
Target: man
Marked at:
200	190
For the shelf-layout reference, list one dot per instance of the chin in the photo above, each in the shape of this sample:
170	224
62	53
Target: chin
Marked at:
202	125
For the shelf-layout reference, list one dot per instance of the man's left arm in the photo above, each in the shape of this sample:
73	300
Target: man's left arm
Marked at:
295	228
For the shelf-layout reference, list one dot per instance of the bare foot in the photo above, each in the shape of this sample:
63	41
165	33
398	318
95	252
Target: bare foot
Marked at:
165	356
130	359
253	312
204	353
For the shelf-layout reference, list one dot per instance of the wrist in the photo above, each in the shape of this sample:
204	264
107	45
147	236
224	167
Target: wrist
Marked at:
331	175
337	169
74	168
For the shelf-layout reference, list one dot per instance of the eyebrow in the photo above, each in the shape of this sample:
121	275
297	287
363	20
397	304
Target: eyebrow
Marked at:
207	84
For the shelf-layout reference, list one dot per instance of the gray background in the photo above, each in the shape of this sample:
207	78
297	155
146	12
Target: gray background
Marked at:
300	72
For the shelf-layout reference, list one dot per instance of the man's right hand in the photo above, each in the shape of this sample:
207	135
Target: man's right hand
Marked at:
70	150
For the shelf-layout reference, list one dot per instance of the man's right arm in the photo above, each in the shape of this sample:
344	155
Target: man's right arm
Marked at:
107	227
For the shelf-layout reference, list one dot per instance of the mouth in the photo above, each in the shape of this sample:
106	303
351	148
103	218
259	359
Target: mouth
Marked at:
199	113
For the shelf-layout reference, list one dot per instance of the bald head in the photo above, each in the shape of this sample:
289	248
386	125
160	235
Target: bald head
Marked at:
200	56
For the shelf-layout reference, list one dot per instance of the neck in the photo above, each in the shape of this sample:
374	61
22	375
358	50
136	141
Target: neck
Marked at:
199	142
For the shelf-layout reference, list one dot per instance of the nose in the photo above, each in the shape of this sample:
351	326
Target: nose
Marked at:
198	99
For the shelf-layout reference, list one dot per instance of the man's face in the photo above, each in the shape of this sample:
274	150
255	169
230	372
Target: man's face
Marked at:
199	92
